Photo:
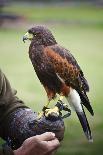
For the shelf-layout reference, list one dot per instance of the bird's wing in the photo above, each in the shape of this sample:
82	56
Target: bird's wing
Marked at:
67	68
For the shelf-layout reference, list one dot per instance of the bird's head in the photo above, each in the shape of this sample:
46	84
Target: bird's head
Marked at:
40	35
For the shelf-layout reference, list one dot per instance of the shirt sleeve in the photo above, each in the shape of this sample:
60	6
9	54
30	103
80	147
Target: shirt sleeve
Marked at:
6	151
8	99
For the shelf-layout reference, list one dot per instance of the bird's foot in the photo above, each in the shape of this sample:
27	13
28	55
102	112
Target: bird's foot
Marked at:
42	113
63	106
54	112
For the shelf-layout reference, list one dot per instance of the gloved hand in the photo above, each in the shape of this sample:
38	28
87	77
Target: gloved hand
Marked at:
18	122
24	123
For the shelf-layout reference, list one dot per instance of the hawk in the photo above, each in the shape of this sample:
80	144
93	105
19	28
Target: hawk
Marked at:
59	73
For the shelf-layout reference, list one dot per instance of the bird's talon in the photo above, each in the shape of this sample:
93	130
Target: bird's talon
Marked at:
67	115
52	112
65	105
44	108
62	106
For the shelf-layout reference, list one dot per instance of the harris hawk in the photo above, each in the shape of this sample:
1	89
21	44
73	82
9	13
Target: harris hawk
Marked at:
59	73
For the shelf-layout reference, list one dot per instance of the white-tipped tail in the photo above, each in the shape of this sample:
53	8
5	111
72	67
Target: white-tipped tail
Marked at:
75	102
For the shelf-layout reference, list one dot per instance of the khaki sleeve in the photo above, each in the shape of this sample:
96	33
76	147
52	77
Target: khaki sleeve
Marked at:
8	99
6	150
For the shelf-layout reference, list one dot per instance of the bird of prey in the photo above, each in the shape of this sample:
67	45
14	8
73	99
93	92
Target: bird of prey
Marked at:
59	73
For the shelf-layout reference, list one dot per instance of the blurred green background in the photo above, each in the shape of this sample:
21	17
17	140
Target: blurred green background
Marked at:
76	25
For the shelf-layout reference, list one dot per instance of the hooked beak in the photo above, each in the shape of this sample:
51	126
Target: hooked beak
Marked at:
27	36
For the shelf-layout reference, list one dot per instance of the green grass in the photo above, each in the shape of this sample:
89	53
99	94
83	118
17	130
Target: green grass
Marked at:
81	14
86	44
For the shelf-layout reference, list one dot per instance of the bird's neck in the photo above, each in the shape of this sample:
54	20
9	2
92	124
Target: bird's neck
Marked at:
35	52
43	41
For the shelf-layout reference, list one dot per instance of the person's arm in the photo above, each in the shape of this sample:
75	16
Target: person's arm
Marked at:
18	122
6	150
8	100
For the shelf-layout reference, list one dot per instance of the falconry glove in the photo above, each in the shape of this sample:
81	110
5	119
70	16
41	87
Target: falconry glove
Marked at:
18	122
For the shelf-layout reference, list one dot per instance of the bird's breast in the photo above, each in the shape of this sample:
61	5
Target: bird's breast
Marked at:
36	55
39	60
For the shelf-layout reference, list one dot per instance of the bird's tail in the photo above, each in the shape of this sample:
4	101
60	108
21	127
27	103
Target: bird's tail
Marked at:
75	102
86	102
85	125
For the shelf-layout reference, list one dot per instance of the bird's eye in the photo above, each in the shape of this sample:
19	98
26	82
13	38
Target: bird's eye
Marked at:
35	35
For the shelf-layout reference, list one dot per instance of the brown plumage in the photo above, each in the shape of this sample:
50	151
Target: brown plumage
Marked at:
57	69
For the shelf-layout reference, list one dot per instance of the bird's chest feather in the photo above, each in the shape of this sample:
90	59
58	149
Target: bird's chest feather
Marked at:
39	60
43	68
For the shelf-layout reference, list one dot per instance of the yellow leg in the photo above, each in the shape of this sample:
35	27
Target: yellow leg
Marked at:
64	104
47	104
54	110
40	114
61	98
